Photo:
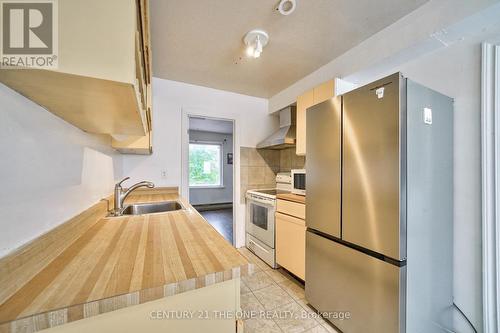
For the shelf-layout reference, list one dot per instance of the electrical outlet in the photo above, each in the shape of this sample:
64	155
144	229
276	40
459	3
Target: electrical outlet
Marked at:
164	174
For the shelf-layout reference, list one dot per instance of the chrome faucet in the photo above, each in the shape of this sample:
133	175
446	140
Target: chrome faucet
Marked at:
121	194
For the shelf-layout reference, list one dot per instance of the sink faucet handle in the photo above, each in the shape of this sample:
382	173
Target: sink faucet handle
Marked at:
120	183
107	204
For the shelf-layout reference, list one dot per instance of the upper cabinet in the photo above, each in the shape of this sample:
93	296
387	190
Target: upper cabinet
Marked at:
103	80
312	97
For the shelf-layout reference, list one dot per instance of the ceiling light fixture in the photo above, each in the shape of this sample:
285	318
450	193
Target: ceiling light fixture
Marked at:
286	7
255	41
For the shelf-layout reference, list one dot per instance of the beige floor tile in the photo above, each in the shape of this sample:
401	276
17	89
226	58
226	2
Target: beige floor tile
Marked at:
250	256
257	281
256	268
329	328
261	326
272	297
297	321
244	251
277	275
317	329
314	314
250	303
244	289
323	322
293	288
261	265
303	303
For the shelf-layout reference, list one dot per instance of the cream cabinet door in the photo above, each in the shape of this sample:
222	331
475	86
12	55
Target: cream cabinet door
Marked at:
312	97
291	244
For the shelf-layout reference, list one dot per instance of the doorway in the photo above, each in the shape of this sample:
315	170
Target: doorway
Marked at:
210	171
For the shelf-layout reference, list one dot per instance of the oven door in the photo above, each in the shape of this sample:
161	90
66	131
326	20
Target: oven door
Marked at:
260	219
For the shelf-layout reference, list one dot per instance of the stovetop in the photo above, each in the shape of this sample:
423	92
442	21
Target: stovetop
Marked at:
283	185
268	193
272	192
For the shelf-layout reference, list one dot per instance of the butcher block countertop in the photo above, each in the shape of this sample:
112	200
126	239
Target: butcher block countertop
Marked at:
292	197
93	264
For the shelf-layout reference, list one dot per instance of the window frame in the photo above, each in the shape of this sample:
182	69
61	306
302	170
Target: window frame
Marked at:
221	159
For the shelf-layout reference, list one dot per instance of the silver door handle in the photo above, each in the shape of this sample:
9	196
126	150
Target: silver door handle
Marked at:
261	201
252	244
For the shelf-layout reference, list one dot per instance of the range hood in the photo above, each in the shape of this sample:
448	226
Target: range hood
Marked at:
285	136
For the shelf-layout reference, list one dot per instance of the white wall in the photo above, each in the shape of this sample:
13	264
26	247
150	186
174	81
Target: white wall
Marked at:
455	72
252	122
222	194
50	171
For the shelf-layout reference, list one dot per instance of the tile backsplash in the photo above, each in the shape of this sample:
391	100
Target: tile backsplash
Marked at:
258	167
289	160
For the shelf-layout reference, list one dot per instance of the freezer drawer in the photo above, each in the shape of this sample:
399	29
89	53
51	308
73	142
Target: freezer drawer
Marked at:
344	280
373	170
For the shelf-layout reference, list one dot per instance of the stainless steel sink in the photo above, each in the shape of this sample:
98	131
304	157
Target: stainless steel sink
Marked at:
153	207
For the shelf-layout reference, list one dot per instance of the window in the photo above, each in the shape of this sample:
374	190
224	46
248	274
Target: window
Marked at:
205	164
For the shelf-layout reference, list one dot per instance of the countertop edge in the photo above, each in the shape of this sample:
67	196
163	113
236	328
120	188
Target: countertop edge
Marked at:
72	313
66	314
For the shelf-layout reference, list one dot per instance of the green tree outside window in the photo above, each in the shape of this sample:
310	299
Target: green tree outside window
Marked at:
205	164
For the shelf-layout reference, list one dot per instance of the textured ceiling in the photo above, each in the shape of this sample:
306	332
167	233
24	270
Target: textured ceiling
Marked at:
200	41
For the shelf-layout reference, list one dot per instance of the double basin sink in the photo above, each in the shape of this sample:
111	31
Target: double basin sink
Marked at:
151	208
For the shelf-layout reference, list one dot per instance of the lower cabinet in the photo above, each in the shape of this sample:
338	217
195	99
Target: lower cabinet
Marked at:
291	243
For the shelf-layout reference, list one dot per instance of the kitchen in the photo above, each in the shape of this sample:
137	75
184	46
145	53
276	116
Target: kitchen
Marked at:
68	156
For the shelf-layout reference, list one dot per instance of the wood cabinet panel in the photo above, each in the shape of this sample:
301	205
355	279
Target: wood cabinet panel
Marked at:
291	208
291	244
85	90
323	92
312	97
303	102
138	145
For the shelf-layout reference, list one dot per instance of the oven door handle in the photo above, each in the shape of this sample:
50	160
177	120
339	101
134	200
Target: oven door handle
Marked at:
261	201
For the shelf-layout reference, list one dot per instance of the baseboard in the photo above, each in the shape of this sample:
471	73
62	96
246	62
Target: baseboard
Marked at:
215	206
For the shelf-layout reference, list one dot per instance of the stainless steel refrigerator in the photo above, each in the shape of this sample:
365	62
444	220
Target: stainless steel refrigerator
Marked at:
379	208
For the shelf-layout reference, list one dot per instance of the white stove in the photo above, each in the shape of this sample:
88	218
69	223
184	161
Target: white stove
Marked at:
260	218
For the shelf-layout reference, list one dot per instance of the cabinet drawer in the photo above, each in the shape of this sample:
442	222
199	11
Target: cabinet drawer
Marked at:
291	208
291	244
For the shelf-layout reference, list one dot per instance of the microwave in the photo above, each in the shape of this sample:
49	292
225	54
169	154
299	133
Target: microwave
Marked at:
299	181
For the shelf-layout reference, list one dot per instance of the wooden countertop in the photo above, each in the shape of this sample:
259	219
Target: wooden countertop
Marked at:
292	197
93	264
